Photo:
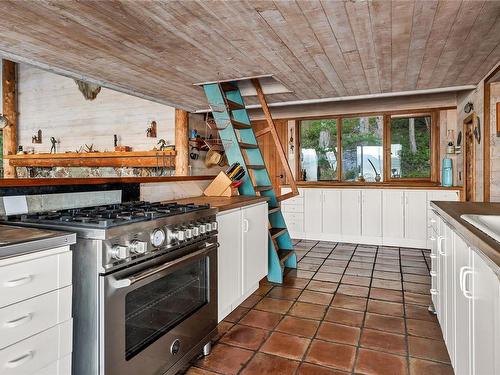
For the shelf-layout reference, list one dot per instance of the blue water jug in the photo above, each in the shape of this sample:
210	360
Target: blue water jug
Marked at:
447	174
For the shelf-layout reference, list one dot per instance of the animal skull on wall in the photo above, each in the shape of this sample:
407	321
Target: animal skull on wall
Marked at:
89	90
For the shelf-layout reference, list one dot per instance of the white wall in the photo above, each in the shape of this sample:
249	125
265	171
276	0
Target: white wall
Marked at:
495	145
54	104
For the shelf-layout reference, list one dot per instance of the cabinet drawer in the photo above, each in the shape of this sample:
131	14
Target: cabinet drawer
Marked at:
293	208
34	315
39	351
20	281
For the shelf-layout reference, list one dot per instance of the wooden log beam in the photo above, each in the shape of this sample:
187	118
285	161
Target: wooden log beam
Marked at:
9	109
181	142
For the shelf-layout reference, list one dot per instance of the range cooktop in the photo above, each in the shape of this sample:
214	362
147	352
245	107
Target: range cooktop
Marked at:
108	216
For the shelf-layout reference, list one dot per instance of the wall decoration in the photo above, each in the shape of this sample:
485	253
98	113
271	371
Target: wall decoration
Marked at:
89	90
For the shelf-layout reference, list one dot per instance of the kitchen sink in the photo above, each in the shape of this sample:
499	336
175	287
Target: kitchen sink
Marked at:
489	224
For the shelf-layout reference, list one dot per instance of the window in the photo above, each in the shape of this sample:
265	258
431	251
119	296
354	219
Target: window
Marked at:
319	150
362	148
370	148
410	138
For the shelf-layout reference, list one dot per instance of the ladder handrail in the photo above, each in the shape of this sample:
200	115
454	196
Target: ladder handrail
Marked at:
276	139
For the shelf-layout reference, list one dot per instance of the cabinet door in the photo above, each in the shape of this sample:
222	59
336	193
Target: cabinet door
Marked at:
415	218
393	217
228	261
485	315
371	214
463	347
331	212
313	212
351	214
255	238
449	290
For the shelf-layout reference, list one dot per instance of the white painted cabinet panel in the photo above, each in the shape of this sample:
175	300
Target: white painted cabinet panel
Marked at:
463	309
449	289
392	216
332	213
313	212
416	218
351	214
485	316
228	260
371	223
255	238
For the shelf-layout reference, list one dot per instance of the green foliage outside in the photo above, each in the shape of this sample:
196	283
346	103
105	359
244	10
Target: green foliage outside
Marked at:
310	138
355	133
413	164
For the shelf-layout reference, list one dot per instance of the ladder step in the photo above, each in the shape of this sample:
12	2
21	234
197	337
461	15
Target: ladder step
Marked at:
272	210
228	86
256	166
240	125
283	255
247	145
276	232
233	105
263	188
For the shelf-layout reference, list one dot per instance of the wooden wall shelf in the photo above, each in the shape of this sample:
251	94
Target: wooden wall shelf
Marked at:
95	159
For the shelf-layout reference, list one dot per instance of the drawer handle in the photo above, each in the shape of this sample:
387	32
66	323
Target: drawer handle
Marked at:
18	321
20	360
434	291
433	273
433	256
18	282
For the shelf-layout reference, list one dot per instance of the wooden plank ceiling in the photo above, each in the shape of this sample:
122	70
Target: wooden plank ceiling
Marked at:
317	48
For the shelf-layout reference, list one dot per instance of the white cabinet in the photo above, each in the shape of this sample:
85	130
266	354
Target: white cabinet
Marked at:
371	218
313	208
331	217
467	301
485	317
393	217
242	255
351	215
35	312
228	260
255	239
463	309
415	218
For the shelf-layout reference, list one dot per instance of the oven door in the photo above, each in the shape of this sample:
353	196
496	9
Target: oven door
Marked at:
154	313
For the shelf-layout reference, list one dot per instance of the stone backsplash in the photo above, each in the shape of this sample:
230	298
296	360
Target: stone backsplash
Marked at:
91	172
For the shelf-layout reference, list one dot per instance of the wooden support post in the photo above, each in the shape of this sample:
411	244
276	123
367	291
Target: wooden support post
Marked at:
279	147
9	104
181	142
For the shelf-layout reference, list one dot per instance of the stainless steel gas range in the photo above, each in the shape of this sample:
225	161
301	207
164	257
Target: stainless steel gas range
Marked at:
145	285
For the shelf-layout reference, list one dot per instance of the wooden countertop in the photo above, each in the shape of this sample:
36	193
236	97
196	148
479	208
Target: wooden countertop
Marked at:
451	212
13	182
373	185
223	203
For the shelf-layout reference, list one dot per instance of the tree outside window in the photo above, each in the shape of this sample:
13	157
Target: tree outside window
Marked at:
410	147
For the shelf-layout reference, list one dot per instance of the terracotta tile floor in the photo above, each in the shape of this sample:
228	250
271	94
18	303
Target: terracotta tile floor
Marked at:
347	309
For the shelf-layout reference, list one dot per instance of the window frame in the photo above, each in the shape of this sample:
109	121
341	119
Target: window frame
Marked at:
386	139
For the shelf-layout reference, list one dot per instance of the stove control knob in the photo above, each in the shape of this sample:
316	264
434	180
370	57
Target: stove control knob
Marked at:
208	227
180	235
196	231
157	237
119	252
189	233
138	247
202	228
214	225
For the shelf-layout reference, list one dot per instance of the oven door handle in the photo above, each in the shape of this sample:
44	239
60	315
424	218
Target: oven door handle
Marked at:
124	283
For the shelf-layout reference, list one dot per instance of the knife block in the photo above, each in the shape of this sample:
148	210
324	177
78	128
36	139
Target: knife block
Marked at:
221	186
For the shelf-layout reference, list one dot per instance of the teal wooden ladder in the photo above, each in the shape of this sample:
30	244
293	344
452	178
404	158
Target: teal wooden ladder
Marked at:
240	145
